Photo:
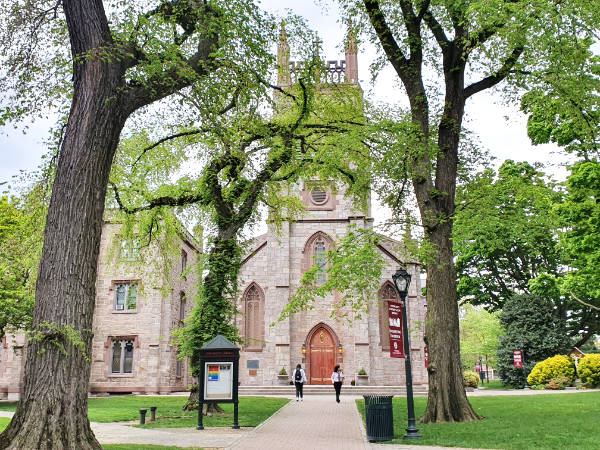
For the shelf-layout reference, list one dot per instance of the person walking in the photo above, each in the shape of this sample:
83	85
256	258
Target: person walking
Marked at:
336	378
299	380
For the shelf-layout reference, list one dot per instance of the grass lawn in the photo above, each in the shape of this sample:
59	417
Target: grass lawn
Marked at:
169	413
512	422
495	384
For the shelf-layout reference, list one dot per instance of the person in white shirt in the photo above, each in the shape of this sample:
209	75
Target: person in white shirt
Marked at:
299	380
336	378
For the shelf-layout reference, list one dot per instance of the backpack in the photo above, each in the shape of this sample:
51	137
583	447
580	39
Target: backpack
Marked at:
298	376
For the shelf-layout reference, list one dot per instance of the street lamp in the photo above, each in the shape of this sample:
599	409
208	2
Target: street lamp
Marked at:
402	282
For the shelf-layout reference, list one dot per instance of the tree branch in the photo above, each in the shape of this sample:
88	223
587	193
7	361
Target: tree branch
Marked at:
584	303
165	139
388	43
496	78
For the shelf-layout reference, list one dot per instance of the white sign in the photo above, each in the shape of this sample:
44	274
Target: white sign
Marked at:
218	381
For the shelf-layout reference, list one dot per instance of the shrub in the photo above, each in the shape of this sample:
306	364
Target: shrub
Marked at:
362	372
559	382
532	326
470	379
589	370
544	371
283	371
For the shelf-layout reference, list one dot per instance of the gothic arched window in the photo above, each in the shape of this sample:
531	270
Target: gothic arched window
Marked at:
315	253
320	262
253	318
387	294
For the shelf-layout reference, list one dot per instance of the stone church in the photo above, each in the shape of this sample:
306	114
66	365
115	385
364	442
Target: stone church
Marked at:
132	350
273	269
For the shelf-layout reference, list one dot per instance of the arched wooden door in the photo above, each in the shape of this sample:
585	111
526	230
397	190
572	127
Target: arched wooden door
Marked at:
322	356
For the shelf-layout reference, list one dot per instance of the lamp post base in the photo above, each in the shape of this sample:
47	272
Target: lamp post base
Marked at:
412	433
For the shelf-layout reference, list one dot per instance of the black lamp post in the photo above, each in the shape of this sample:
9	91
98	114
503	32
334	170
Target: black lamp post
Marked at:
402	281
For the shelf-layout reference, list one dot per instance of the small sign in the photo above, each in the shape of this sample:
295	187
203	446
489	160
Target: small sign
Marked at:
396	339
426	354
518	358
252	364
213	373
219	381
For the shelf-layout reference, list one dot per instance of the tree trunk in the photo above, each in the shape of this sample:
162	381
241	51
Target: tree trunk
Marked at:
192	401
447	400
52	411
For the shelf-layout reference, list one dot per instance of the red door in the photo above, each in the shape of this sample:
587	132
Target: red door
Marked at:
322	357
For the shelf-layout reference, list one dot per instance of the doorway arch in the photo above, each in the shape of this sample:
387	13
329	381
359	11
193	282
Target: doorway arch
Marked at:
321	345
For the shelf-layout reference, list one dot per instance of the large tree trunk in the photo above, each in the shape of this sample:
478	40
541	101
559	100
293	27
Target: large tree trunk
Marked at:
447	400
52	411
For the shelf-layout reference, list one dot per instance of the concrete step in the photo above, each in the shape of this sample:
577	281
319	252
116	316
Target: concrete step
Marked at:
326	389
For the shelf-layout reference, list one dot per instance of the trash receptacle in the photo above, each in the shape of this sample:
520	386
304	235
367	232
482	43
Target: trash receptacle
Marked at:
379	415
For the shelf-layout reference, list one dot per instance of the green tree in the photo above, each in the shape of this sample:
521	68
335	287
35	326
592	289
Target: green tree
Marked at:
16	301
250	161
579	241
506	239
530	324
505	233
479	336
468	46
115	66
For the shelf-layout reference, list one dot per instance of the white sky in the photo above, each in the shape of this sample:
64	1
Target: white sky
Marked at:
485	116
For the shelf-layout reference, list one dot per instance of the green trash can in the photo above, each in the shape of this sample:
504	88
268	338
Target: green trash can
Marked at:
380	419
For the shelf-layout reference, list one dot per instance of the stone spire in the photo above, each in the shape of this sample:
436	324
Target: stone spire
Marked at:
284	77
351	56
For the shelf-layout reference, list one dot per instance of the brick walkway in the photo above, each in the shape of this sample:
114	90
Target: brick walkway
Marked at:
316	423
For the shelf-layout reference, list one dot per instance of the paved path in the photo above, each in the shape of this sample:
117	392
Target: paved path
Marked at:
318	422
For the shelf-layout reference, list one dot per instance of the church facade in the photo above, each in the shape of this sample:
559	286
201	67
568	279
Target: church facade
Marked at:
316	338
272	270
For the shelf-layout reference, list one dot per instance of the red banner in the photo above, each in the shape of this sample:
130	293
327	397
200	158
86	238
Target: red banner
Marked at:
396	341
426	354
518	358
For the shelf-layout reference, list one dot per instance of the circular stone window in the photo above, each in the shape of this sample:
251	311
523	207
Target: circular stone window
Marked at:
318	197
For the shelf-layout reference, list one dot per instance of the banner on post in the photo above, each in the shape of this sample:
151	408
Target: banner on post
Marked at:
396	339
518	358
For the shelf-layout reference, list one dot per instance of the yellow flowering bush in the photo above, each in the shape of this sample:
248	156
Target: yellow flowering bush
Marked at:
589	370
550	368
470	378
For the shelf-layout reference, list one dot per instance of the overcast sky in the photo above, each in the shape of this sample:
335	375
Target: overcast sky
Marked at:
485	116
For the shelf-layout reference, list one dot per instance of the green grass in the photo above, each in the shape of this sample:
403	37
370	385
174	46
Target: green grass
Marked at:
252	411
495	384
512	422
4	421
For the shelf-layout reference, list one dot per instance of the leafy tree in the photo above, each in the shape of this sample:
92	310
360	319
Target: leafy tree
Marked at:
119	64
506	238
16	301
505	233
479	334
579	241
444	52
530	324
22	220
250	161
565	108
